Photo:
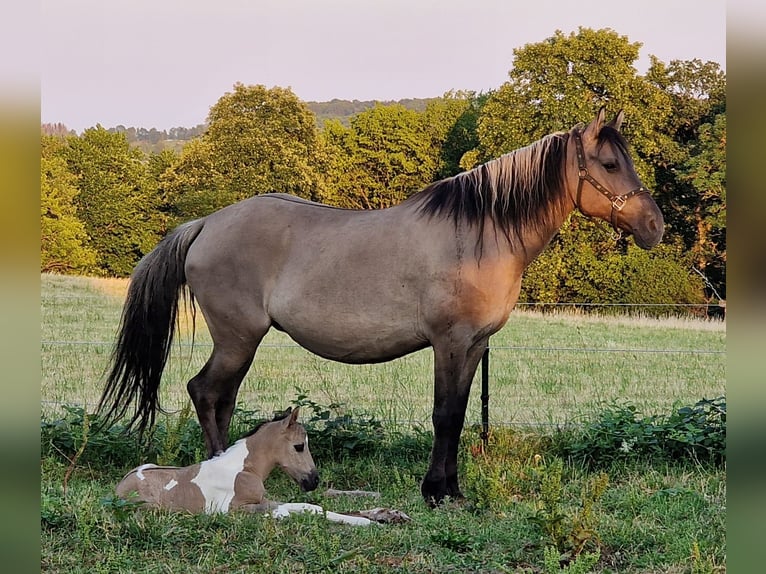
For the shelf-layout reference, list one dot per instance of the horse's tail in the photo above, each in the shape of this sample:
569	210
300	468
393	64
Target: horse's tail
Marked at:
146	330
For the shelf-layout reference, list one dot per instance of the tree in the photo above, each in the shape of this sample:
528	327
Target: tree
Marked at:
157	168
576	268
563	80
258	141
450	123
346	184
63	239
385	156
704	177
691	171
264	140
118	212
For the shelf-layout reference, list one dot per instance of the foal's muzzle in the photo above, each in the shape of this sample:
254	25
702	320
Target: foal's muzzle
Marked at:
310	482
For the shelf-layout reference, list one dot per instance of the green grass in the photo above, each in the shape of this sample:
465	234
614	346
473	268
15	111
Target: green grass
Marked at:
524	495
543	368
661	517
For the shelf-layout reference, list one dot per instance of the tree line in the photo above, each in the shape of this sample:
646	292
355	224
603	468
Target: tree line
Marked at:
105	202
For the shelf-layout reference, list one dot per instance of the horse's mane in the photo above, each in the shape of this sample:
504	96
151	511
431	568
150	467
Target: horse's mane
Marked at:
257	427
515	191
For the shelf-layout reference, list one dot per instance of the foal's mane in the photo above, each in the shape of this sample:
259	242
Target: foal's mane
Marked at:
518	191
257	427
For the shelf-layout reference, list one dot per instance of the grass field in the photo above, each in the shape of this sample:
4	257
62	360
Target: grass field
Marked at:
543	368
527	503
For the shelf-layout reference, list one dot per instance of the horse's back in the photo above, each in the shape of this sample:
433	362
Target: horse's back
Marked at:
345	284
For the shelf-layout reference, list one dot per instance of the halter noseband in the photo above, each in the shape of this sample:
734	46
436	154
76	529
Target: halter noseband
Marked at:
617	201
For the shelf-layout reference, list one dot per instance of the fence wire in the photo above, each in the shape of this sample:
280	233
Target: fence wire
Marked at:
529	384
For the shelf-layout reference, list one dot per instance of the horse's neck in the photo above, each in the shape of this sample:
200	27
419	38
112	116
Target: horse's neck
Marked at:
534	241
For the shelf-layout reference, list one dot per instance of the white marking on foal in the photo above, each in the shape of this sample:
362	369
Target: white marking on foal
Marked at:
140	470
288	508
216	477
173	482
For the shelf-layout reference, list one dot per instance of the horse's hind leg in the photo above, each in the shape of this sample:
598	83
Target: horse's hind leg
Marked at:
214	391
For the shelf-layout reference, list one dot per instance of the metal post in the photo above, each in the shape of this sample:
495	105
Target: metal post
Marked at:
485	396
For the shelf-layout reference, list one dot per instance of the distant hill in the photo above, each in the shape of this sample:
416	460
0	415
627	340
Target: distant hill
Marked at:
153	140
342	110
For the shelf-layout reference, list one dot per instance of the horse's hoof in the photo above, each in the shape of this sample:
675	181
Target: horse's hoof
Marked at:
433	492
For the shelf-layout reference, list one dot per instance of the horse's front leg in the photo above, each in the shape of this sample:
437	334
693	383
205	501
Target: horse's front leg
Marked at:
453	374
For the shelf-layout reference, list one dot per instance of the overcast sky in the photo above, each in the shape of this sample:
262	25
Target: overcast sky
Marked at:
163	63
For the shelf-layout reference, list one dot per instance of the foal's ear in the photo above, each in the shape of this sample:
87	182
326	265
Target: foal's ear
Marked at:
290	420
616	123
592	130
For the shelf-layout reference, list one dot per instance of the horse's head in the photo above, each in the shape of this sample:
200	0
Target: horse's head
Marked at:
603	182
289	446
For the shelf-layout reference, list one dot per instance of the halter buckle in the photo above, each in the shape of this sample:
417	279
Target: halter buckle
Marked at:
618	202
583	173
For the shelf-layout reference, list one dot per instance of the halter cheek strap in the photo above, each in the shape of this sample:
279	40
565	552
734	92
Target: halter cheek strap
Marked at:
617	201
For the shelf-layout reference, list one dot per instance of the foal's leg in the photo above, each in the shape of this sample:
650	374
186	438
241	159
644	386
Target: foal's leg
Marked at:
453	374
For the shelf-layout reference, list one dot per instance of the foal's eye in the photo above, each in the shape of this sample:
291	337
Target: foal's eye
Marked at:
299	447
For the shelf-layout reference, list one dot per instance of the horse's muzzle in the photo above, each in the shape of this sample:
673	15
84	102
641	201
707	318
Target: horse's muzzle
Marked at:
650	232
310	482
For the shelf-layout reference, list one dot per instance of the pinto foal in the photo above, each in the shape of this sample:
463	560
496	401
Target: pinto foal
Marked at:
234	479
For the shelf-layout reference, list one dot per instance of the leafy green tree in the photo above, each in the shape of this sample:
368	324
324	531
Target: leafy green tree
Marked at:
118	212
264	140
63	239
450	123
346	184
158	166
392	153
258	140
703	176
563	80
388	152
691	170
193	185
578	269
381	159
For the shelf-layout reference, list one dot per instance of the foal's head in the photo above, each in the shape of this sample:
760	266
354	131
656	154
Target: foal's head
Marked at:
285	441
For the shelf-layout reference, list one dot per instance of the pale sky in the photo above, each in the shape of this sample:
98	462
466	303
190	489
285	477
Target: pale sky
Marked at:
164	63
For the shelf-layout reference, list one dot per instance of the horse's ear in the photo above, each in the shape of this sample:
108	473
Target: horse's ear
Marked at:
593	129
616	123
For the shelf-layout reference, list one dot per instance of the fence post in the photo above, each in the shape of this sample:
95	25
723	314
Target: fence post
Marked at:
485	396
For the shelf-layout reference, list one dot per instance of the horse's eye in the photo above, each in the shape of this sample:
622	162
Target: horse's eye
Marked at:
300	447
610	166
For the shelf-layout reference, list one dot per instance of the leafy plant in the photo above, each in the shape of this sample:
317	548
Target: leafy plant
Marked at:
619	433
453	537
699	430
333	430
501	473
570	530
121	509
583	564
78	433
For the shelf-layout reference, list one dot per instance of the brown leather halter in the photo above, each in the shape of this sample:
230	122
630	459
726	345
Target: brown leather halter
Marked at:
617	201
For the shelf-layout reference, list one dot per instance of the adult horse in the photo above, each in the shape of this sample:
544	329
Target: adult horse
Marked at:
442	269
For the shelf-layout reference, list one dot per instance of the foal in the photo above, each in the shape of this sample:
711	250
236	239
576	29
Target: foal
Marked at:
231	480
234	479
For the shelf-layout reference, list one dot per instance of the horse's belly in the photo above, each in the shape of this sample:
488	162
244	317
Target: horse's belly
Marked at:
355	341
